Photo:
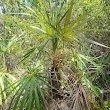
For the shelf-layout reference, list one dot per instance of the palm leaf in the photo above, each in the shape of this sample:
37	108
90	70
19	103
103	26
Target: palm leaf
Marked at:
25	97
41	30
20	89
97	43
68	15
31	93
37	100
6	80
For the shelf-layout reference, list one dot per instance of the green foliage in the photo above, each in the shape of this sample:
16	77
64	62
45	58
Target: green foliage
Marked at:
6	81
29	93
48	33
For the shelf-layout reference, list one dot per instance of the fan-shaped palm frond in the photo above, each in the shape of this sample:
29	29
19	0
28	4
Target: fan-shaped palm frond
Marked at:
30	92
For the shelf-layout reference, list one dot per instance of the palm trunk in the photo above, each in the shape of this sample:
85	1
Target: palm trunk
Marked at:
55	78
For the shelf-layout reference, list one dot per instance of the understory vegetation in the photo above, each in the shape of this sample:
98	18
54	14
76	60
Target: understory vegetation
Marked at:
54	55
